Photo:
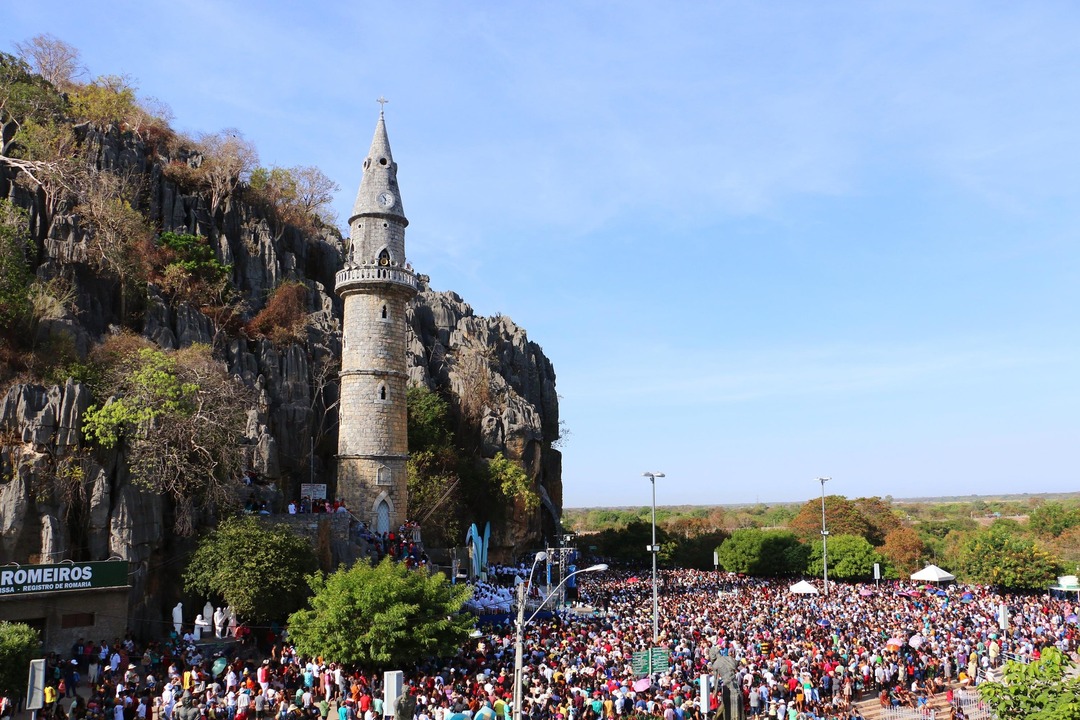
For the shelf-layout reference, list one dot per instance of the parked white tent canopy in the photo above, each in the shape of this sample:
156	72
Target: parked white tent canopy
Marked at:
803	588
932	573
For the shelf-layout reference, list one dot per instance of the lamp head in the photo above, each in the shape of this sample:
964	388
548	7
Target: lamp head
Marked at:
652	474
540	556
596	568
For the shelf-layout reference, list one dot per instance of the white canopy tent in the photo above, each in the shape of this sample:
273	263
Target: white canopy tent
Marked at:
932	573
803	588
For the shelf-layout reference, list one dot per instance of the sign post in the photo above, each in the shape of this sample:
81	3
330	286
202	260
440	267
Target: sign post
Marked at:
35	687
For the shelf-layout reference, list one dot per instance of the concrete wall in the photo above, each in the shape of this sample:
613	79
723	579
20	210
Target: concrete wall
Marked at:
46	612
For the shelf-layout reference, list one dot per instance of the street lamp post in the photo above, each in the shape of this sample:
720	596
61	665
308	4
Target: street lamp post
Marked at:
519	625
522	593
824	536
653	549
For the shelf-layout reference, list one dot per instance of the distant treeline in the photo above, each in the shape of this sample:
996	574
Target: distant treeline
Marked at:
1017	541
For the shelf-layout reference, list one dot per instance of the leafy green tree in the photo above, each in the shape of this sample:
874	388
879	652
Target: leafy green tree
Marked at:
1053	518
842	518
256	566
381	617
851	557
630	543
429	419
778	515
1040	690
511	481
697	551
763	552
996	556
19	644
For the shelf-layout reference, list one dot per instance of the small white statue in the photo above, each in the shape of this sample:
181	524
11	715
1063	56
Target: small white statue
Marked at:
201	626
178	617
220	620
208	611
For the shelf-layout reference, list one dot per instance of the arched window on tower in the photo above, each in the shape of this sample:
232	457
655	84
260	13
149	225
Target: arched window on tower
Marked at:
381	395
385	315
384	258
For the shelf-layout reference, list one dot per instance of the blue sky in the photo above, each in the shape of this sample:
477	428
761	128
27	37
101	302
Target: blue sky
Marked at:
760	242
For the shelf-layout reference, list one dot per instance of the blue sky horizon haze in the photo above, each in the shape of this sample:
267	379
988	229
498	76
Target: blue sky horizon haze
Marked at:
760	242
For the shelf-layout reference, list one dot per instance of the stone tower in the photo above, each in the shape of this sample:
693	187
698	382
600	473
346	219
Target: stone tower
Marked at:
375	285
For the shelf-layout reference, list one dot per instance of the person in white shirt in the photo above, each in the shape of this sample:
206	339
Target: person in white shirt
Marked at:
230	699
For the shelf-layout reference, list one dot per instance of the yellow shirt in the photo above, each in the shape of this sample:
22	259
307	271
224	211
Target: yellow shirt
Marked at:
50	694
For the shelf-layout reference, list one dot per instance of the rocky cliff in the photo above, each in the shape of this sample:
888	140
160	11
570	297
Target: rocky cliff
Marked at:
62	498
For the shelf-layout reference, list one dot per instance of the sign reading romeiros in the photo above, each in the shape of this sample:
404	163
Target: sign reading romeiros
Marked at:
17	580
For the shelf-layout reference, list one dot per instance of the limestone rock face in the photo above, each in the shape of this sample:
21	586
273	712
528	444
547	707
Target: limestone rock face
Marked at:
505	383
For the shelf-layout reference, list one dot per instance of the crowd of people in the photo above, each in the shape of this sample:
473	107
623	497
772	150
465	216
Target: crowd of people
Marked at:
792	657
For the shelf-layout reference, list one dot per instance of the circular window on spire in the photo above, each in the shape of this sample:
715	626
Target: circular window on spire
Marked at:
382	161
367	162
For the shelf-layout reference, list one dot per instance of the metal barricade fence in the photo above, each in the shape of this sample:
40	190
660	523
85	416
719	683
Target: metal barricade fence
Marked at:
902	713
973	706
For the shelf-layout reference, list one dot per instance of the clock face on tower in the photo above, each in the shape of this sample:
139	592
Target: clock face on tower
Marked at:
386	200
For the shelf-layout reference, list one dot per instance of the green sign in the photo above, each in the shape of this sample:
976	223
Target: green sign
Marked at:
20	580
640	660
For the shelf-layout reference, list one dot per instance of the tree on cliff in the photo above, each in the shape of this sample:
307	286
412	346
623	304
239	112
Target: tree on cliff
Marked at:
15	275
381	617
180	417
448	486
228	160
51	58
257	568
19	644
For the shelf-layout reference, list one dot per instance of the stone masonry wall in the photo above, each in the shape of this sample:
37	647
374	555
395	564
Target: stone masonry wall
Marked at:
373	420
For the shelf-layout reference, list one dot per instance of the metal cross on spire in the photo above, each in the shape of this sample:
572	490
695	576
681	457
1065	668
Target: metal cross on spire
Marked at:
382	104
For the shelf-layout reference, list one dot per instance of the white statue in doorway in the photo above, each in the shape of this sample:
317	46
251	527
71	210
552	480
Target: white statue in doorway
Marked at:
178	617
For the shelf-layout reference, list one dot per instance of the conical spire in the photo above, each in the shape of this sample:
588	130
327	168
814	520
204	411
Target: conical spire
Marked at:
378	194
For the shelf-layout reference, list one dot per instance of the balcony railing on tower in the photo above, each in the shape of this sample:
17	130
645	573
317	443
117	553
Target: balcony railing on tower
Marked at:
375	274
